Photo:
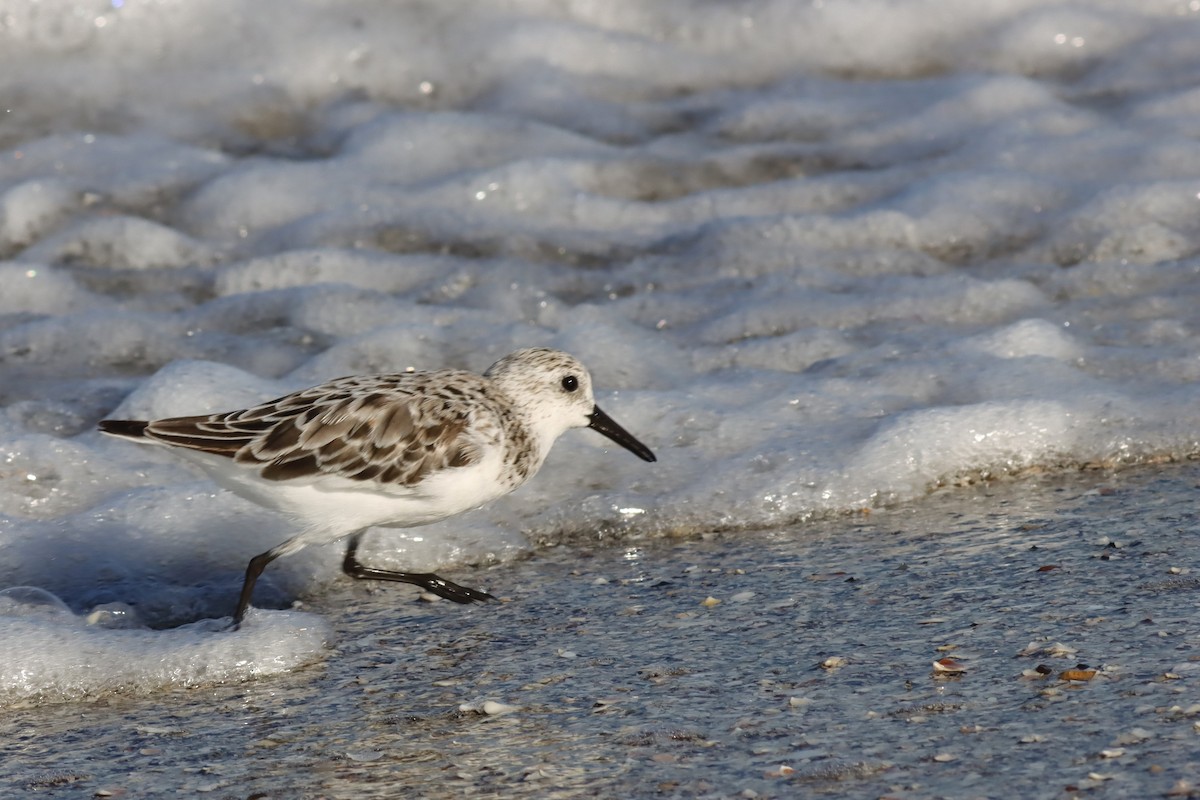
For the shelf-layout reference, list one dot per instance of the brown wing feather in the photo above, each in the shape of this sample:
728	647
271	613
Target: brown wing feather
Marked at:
393	429
210	434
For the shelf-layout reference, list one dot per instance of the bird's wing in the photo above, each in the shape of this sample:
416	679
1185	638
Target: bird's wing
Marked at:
387	429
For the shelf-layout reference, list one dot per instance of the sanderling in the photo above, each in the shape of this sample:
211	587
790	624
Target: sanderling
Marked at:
395	450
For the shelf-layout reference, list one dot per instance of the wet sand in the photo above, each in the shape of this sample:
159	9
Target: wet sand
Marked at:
772	664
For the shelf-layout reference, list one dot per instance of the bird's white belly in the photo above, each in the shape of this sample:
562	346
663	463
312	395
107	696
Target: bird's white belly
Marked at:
330	507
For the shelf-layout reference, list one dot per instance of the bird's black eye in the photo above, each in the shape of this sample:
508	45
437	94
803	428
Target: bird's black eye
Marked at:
570	383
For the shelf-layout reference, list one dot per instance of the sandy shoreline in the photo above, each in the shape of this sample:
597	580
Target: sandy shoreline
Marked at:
764	664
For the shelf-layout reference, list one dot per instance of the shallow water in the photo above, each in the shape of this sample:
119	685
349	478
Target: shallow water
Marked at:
812	675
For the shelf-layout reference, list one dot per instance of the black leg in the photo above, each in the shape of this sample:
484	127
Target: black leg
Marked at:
253	570
426	580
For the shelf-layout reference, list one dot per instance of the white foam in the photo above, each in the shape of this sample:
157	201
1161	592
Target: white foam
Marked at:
121	242
31	208
1029	337
58	655
819	258
31	288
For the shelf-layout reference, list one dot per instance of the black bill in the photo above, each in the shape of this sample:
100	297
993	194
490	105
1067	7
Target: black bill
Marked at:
603	423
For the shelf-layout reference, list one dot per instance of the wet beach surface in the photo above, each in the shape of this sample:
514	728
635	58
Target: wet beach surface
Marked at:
764	664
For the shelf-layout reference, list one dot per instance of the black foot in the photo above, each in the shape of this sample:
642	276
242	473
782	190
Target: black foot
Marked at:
449	589
443	588
426	580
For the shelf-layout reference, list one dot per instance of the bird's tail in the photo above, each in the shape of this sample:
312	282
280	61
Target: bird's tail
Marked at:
125	428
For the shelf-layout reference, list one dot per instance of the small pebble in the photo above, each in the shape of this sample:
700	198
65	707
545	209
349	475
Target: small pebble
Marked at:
710	601
494	709
537	772
1134	736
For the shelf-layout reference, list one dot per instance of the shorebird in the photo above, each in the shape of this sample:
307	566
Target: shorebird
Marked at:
396	450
